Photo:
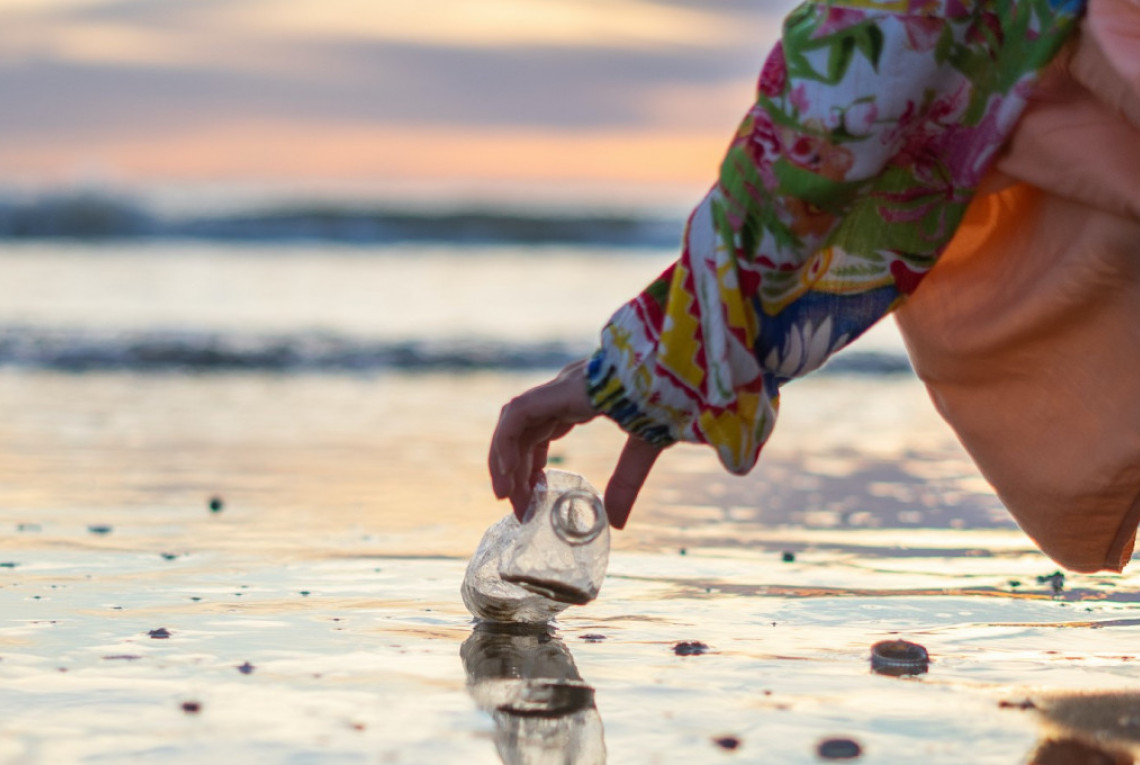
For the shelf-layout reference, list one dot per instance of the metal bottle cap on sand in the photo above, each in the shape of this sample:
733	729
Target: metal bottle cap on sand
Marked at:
898	658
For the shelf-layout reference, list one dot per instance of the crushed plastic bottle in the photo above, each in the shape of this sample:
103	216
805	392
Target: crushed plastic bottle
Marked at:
556	558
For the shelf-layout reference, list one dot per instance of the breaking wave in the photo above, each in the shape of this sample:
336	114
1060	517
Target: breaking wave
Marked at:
204	352
100	217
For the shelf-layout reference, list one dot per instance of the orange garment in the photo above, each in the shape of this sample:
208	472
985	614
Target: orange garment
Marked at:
1027	332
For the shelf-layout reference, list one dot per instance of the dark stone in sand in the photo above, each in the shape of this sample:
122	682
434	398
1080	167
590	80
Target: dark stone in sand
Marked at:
593	638
839	749
246	669
1056	580
690	648
122	657
727	742
305	593
898	658
217	504
8	564
191	707
99	529
28	527
169	556
159	634
788	556
683	551
1023	704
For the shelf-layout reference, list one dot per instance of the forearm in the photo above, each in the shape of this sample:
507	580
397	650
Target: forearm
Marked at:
843	184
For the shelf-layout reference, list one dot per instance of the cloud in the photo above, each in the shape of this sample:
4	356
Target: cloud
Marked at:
115	71
368	83
489	23
227	32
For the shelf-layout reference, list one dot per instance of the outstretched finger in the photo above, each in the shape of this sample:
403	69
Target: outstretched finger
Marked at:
513	441
503	456
633	466
534	450
531	421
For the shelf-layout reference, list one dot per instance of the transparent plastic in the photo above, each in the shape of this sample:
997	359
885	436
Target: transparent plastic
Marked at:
544	713
555	558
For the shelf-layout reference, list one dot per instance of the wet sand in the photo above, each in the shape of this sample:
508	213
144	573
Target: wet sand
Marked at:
316	616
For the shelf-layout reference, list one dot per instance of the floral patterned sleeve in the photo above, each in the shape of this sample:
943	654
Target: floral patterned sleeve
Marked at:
873	125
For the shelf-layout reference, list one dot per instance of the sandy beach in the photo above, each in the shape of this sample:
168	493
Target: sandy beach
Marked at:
316	616
312	615
270	270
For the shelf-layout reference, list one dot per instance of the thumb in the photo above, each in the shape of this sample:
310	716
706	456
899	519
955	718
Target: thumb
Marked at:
634	464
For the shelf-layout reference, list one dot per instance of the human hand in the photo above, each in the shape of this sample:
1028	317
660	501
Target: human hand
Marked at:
527	425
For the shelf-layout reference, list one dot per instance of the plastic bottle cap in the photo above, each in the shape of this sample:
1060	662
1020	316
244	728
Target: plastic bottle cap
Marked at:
578	517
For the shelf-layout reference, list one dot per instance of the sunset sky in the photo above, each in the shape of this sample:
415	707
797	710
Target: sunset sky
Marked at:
586	92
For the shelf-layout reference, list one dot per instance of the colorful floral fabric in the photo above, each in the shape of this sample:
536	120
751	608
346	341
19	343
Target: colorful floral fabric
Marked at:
873	125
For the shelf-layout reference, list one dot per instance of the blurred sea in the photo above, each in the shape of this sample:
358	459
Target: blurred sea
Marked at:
95	283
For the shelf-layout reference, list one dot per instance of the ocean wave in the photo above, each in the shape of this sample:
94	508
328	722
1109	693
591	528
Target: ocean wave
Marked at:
100	217
205	352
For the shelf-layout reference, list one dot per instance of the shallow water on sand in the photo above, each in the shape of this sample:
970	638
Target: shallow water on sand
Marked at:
316	616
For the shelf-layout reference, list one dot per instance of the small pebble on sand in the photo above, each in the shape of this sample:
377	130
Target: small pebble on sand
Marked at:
217	504
159	634
246	669
191	707
1056	580
788	556
839	749
593	637
690	648
99	529
727	742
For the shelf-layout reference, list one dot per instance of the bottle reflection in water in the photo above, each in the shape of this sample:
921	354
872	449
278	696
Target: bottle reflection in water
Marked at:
555	558
544	713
